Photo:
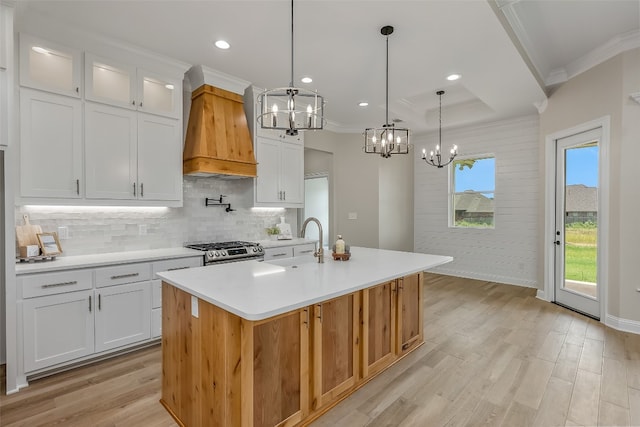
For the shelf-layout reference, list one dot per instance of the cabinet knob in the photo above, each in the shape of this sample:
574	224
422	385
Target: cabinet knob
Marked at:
134	189
77	89
141	186
133	102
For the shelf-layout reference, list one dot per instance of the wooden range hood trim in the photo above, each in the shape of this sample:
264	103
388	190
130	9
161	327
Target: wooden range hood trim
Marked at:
218	141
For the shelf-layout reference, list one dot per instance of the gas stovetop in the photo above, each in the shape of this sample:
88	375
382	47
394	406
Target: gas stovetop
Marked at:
228	251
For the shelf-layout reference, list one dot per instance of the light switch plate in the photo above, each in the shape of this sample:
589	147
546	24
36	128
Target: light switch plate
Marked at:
142	229
194	306
63	233
353	215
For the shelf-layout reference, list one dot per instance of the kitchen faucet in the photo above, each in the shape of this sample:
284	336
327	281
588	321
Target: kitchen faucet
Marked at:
320	252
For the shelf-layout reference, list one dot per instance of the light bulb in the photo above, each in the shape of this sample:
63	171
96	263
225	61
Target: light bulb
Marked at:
274	109
398	140
374	139
390	137
309	109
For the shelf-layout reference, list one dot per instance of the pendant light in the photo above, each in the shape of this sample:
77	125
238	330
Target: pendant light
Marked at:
435	157
388	139
289	108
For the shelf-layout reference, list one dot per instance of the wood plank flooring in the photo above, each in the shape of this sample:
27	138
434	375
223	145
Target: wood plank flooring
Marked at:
493	355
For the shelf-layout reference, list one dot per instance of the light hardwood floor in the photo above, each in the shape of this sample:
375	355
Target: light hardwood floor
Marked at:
493	355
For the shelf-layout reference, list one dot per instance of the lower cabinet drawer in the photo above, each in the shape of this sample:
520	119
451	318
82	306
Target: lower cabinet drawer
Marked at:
276	253
37	285
156	322
302	250
121	274
175	264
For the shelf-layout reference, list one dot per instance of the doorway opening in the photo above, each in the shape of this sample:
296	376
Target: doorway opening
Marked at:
576	222
316	204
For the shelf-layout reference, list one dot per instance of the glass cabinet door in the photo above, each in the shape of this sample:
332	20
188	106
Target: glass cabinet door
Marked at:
159	95
108	82
48	66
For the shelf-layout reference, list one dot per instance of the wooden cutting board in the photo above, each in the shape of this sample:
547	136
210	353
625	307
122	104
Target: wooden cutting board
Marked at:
26	234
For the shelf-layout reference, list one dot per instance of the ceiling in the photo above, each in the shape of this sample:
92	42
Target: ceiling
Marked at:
508	52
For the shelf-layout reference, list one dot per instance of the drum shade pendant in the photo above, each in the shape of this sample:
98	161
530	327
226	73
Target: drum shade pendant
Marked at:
435	157
289	108
388	139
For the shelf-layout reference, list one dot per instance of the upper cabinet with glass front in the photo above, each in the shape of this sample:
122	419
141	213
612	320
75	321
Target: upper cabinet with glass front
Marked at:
48	66
122	85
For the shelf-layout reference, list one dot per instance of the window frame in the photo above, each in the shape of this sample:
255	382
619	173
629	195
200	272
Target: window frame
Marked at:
451	193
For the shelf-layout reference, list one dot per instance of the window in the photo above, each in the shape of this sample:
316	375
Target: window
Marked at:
473	183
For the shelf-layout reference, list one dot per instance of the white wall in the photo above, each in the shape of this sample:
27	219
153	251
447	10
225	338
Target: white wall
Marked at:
112	229
509	252
377	190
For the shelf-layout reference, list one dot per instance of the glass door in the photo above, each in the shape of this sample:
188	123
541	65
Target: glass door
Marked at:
576	240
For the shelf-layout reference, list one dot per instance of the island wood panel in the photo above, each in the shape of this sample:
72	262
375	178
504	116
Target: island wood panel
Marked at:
220	359
335	348
410	312
180	351
280	369
378	327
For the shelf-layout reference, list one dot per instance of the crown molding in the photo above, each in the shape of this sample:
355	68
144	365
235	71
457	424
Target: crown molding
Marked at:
615	46
200	74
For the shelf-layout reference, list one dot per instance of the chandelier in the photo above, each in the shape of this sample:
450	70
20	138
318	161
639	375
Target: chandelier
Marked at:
289	108
388	139
435	157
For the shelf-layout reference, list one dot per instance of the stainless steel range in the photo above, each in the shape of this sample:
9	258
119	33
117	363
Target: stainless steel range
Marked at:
217	253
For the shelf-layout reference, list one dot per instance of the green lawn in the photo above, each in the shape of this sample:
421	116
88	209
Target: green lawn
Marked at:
581	253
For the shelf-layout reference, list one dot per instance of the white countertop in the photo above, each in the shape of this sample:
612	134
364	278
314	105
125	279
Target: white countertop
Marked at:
98	260
258	290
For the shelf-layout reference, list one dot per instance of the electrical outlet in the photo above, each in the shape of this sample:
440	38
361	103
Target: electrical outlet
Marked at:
353	215
63	233
142	229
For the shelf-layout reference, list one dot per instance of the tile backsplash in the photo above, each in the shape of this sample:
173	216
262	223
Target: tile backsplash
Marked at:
118	229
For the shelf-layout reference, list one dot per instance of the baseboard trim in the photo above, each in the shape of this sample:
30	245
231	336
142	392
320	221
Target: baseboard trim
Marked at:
540	295
624	325
525	283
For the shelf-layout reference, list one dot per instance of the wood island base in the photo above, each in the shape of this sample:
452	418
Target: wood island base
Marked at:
219	369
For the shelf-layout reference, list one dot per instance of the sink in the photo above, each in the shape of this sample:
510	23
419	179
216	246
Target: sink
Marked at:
295	261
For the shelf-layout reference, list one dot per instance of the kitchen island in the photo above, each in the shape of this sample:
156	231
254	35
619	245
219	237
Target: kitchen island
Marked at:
279	343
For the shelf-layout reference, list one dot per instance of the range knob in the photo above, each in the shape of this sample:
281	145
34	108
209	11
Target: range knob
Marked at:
223	253
216	253
259	248
210	254
254	249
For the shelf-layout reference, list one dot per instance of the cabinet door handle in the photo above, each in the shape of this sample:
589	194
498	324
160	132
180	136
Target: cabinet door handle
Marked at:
140	105
89	303
78	187
55	285
308	251
123	276
134	189
78	89
277	255
142	189
284	195
320	316
177	268
99	302
133	102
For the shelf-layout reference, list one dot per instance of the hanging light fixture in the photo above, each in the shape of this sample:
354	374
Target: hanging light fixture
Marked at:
435	157
289	108
388	139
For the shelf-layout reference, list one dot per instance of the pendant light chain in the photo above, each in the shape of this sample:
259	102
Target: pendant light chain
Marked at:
291	83
440	93
387	86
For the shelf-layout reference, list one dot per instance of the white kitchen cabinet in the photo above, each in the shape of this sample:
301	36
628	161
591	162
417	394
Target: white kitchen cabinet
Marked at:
159	158
122	85
57	329
131	156
110	152
6	71
278	252
122	315
51	145
48	66
280	173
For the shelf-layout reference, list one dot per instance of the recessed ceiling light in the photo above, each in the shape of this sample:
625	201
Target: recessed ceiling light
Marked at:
362	104
453	77
306	79
39	49
169	86
221	44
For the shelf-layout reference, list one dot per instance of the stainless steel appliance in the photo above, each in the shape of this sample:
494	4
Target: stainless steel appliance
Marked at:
222	252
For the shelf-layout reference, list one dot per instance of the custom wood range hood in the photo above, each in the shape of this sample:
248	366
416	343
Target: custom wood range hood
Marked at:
218	142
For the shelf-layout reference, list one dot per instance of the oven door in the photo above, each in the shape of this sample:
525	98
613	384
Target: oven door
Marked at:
227	261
